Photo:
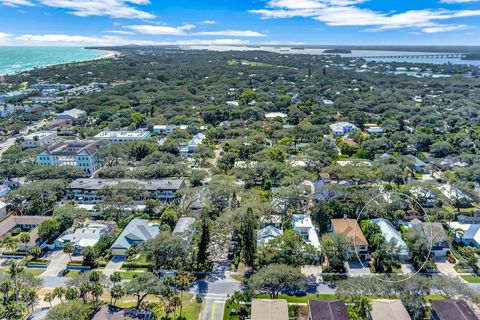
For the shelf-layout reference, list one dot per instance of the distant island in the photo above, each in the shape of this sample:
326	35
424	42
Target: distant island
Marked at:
337	51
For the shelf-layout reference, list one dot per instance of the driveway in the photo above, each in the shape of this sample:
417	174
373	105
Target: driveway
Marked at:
355	269
408	269
446	268
113	265
58	263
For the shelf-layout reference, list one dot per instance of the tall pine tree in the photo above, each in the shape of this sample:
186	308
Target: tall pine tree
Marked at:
249	239
202	255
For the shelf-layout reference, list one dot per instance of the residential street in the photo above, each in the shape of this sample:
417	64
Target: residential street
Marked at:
11	141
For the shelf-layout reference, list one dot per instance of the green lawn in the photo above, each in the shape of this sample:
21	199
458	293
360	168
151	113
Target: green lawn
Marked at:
71	273
35	271
471	278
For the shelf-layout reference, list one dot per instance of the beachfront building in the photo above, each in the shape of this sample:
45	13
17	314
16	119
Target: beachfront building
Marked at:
350	229
86	191
302	223
79	153
123	136
339	129
39	139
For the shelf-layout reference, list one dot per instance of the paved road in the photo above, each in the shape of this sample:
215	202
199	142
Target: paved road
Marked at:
11	141
213	307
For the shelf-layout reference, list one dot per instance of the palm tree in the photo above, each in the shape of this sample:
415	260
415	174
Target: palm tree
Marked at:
5	288
10	244
35	251
48	298
14	271
69	248
454	232
116	277
175	301
117	292
24	238
29	296
59	293
183	281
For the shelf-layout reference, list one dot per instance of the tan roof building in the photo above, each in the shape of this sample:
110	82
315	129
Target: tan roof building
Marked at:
266	309
350	229
388	309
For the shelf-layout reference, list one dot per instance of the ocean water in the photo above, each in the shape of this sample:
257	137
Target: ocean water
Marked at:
17	59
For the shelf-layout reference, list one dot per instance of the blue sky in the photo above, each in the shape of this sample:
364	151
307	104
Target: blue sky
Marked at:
118	22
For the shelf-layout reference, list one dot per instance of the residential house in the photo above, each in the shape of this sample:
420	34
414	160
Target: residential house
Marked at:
302	223
392	234
184	224
39	139
193	144
273	115
267	309
327	310
26	224
451	310
6	110
388	309
435	234
350	229
423	196
341	128
109	312
456	196
375	130
71	114
61	126
266	234
167	129
232	103
86	191
80	153
470	235
122	136
137	231
417	165
84	237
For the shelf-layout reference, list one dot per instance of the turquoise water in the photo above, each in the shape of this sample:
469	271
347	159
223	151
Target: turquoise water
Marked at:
16	59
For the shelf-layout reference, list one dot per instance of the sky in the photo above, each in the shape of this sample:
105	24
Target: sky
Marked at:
226	22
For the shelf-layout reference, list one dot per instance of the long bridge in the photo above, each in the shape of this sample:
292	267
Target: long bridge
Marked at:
420	56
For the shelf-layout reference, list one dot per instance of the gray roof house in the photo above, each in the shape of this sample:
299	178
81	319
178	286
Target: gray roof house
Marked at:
266	234
417	165
184	224
434	233
137	231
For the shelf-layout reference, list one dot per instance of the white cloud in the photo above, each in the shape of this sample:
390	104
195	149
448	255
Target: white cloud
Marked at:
345	13
17	3
209	22
231	33
120	32
110	8
161	30
81	40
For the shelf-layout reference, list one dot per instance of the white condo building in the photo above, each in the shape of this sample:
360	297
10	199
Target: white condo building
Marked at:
38	139
123	136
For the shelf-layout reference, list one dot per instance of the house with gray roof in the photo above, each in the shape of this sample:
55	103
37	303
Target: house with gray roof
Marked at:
435	234
417	165
136	232
392	234
338	129
266	234
184	224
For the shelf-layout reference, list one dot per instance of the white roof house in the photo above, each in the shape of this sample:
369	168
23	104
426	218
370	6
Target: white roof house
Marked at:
81	238
471	233
341	128
71	114
266	234
302	223
452	193
123	136
38	139
389	232
273	115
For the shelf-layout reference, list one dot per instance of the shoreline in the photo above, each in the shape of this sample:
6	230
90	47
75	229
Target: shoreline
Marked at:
108	54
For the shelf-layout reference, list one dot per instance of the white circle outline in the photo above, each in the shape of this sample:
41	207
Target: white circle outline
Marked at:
373	275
